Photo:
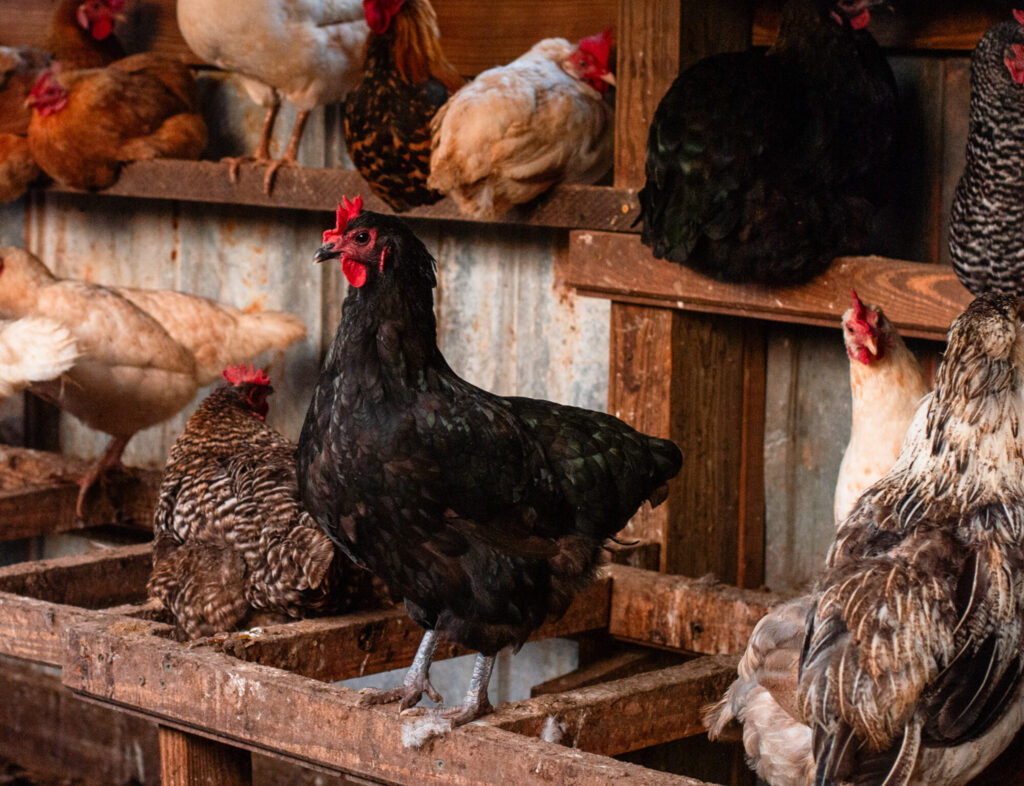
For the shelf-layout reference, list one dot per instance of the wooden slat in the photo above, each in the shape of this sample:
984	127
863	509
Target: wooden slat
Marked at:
947	24
475	35
38	491
320	189
628	714
93	580
263	708
31	629
370	642
188	760
680	613
626	661
920	299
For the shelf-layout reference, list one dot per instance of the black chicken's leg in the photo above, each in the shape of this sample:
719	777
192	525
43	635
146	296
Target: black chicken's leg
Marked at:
475	704
417	679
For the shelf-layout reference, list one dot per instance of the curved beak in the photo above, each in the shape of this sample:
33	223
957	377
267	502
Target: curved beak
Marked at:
609	77
325	252
872	345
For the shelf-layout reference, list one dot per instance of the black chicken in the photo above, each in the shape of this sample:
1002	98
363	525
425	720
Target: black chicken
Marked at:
763	167
986	227
485	513
406	79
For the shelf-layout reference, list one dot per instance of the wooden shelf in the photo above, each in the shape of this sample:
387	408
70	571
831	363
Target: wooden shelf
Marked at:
920	299
567	207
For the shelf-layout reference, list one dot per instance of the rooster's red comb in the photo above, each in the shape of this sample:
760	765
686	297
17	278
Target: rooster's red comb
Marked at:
346	212
598	46
858	307
239	375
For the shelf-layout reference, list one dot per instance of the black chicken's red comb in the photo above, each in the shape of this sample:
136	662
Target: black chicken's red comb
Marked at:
240	375
346	212
1018	15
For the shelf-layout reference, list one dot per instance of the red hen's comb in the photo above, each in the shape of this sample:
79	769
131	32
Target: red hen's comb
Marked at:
346	212
858	307
240	375
44	81
598	46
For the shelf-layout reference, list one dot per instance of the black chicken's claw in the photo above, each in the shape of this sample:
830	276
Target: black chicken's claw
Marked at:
465	713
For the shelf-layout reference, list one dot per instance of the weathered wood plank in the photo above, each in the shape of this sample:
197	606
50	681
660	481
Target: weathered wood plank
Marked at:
626	661
266	708
45	727
920	299
363	643
570	206
189	760
38	491
93	580
475	35
680	613
30	629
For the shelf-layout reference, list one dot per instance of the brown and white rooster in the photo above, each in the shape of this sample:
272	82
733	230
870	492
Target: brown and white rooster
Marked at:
233	544
518	129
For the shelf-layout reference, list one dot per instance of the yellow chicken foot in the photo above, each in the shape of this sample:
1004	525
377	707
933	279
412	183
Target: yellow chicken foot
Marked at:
262	154
111	458
289	157
417	679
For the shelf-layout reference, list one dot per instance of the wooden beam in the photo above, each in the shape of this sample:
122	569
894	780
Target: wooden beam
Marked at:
339	648
625	661
189	760
627	714
684	614
571	207
38	491
920	299
267	709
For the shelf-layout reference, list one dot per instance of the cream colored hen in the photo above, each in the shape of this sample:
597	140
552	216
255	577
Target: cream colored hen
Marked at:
144	353
516	130
309	52
33	349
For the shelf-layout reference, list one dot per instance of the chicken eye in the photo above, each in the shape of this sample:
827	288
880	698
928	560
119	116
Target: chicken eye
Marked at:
362	238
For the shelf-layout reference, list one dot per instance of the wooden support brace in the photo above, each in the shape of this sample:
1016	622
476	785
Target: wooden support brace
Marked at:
191	760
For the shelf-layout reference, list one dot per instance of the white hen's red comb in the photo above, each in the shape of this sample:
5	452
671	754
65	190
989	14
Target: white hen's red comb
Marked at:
598	46
240	375
346	212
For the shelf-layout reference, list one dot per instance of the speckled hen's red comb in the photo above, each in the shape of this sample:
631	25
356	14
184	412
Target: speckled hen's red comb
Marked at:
346	212
380	12
598	46
240	375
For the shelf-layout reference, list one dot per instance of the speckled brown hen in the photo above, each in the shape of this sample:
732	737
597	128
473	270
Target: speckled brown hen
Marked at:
233	543
406	79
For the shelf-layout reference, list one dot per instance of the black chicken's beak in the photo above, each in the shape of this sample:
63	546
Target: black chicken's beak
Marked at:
326	252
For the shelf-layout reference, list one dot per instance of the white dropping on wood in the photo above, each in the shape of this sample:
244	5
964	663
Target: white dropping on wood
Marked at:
419	730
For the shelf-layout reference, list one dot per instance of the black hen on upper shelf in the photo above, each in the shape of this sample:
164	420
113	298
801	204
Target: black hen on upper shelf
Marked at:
485	513
986	226
406	79
762	167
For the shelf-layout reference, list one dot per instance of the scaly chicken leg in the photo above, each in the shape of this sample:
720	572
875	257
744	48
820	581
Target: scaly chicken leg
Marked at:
111	458
475	704
262	154
417	679
290	154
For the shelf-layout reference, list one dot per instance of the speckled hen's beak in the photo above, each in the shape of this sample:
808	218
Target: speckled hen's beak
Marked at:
326	252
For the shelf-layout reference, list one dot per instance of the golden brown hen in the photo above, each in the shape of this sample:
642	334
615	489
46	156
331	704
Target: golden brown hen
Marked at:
81	33
86	123
20	68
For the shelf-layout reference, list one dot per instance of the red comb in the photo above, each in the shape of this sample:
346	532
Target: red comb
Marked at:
380	12
1018	15
1015	63
858	307
239	375
346	212
598	46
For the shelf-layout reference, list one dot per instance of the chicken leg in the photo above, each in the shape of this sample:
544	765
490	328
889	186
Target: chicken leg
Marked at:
475	704
111	458
417	679
290	154
262	154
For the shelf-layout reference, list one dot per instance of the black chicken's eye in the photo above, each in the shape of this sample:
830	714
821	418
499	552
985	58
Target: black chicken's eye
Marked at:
363	237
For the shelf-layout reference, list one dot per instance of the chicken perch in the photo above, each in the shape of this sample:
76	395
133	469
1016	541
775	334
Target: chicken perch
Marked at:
233	544
485	513
144	353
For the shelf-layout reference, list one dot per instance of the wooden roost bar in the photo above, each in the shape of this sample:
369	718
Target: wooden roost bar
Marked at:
688	359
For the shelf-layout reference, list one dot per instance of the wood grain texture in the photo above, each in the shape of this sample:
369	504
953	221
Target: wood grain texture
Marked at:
921	299
680	613
263	708
190	760
626	714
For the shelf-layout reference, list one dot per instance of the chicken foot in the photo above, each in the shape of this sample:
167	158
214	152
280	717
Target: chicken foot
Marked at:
417	679
111	458
290	154
475	704
262	154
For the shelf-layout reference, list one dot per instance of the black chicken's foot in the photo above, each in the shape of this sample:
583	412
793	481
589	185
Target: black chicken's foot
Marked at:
475	704
417	679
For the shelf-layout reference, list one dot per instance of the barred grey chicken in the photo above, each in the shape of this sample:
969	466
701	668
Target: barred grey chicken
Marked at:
233	542
986	226
912	667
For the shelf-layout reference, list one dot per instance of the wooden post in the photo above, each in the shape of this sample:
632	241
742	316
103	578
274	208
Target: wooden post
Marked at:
696	379
190	760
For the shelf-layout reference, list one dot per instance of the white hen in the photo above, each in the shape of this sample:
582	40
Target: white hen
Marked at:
33	349
309	52
516	130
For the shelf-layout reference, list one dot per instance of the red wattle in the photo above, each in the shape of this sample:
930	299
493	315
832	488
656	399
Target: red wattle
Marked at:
861	21
102	29
354	272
